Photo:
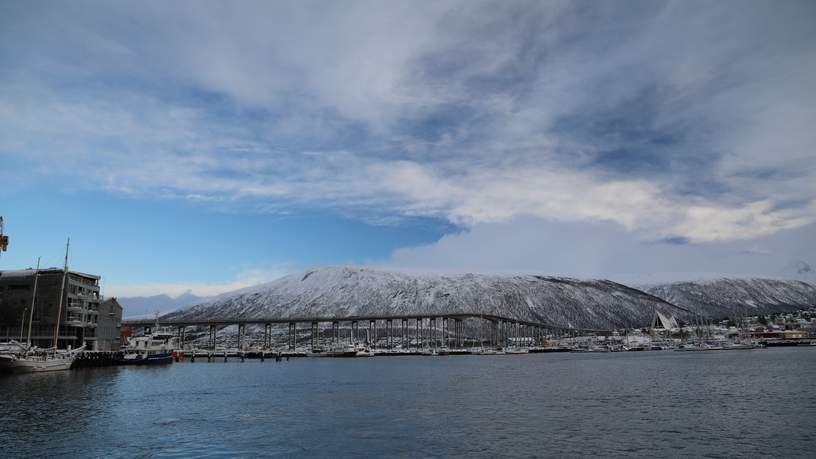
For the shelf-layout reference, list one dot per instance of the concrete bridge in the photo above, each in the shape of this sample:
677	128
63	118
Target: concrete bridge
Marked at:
448	330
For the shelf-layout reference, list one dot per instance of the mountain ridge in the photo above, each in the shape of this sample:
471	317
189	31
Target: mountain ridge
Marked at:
345	291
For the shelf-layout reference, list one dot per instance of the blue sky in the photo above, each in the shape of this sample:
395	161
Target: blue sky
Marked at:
209	145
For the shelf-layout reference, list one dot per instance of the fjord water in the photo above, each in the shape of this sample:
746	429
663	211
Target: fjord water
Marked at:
713	404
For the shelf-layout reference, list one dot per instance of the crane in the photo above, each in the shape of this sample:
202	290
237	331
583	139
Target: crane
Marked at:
3	238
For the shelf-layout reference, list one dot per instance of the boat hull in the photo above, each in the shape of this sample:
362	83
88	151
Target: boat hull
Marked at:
34	365
156	359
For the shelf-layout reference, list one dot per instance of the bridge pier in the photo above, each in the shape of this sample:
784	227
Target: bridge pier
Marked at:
315	334
404	332
213	332
372	333
267	336
292	336
180	333
241	336
353	334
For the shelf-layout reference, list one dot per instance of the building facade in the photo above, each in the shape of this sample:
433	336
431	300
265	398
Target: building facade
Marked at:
109	326
79	318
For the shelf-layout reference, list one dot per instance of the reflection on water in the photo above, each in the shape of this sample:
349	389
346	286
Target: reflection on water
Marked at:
719	404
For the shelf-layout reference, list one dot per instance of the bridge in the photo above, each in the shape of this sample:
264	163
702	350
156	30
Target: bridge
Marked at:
431	330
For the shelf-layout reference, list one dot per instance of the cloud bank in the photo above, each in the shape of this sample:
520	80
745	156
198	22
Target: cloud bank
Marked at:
674	121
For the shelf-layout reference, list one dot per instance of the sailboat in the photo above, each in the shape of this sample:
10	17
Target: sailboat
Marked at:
30	359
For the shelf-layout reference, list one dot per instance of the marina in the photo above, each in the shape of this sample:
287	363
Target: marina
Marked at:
410	230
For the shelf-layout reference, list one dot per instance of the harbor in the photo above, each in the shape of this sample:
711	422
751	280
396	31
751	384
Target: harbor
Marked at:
561	404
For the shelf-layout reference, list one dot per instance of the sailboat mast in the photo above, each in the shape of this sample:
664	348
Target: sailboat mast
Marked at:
62	293
22	323
33	299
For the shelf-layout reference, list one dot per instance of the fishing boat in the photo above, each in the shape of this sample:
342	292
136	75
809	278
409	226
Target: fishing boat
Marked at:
150	349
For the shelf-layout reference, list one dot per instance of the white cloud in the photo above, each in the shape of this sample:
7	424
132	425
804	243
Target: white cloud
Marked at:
479	113
242	280
604	250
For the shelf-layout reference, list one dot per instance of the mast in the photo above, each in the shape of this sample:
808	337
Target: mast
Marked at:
62	292
33	299
22	323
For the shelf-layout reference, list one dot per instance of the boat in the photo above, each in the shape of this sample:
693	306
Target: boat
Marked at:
516	351
738	346
541	350
37	360
350	350
26	358
489	351
151	349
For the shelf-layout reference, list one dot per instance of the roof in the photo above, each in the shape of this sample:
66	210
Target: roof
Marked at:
30	272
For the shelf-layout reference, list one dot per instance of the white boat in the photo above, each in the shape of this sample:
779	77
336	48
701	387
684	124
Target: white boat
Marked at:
516	351
152	348
39	360
491	352
738	346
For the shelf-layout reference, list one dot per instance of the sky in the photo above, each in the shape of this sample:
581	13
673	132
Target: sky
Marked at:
209	146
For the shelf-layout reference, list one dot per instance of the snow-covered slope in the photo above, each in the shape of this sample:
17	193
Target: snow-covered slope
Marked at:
736	297
342	291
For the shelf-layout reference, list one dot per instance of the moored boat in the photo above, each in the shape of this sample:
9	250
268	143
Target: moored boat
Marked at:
151	349
39	360
350	350
516	351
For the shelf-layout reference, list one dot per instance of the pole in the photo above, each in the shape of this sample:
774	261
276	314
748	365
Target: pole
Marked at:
33	299
22	324
62	291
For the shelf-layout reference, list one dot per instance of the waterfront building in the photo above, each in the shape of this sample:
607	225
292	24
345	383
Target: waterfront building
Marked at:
109	326
84	319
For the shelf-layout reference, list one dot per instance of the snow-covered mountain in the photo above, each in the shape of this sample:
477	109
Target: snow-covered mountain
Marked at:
720	298
343	291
